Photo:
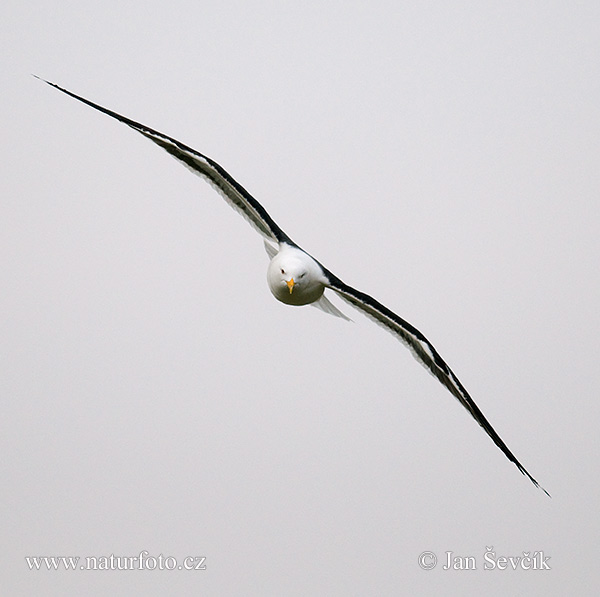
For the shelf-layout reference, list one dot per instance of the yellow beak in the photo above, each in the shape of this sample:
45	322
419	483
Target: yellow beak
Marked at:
290	284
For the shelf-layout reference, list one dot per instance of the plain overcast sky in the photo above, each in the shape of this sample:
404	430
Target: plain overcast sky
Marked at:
443	157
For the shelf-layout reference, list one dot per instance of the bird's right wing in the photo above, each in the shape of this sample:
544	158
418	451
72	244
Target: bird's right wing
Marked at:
233	192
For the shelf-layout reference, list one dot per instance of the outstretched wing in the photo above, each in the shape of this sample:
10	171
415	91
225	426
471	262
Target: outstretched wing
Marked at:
233	192
425	353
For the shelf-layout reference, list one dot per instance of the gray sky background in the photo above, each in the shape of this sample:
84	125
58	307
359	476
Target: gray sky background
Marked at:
441	156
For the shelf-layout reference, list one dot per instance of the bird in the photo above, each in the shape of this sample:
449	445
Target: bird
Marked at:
296	278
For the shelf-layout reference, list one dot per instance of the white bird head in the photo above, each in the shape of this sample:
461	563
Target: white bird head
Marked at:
294	277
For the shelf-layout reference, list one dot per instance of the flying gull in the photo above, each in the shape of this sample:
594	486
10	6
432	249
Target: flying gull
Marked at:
296	278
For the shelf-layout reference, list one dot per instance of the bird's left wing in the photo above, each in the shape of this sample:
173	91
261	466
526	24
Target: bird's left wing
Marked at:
233	192
425	353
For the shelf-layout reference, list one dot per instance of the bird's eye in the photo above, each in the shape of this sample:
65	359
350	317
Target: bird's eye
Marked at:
302	274
282	271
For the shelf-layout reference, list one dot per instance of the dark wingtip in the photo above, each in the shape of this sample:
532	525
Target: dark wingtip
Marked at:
534	481
540	487
50	83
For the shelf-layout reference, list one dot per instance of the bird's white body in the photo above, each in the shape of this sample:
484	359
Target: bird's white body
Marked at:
294	277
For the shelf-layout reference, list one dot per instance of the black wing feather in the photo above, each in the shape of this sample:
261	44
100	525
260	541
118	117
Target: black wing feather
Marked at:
425	353
233	192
